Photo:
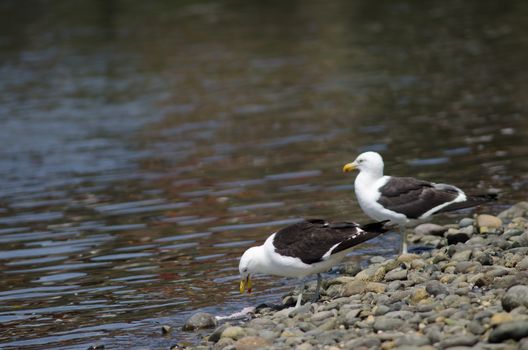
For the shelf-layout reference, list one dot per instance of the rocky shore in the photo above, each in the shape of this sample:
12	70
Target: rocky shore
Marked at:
469	292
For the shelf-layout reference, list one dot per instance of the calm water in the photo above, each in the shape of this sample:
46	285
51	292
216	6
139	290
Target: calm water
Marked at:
145	146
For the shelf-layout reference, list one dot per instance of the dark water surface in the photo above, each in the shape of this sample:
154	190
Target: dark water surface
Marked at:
145	145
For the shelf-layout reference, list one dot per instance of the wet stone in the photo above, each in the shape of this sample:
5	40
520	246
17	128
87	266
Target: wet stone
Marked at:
199	320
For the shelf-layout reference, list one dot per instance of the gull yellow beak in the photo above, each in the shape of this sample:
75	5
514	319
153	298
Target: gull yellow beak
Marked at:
245	284
349	167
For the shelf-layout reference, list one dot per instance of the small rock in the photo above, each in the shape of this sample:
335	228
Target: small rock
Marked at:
96	347
518	210
224	343
430	229
523	264
463	255
514	297
460	340
501	317
383	323
217	333
252	343
360	343
358	287
412	339
476	328
457	237
512	330
418	295
396	275
292	332
165	329
305	346
233	332
322	315
351	268
468	267
486	222
466	222
373	273
199	320
408	258
380	310
436	288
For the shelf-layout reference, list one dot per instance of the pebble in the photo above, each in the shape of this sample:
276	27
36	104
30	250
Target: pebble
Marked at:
383	323
199	320
396	275
252	343
518	210
512	330
515	296
466	222
233	332
436	288
486	222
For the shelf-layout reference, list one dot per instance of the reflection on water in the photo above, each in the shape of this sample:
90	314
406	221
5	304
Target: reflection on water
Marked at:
146	145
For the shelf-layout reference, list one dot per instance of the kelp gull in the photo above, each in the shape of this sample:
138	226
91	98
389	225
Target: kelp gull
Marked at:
402	199
305	248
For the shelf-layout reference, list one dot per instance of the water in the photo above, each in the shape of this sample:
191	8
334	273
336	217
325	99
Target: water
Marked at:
145	146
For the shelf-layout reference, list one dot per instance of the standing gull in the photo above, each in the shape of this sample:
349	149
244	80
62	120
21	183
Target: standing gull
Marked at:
305	248
402	199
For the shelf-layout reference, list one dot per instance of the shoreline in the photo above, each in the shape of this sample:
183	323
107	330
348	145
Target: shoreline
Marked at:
469	292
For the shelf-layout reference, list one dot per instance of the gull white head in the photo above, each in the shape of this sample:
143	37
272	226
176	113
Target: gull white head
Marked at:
249	264
368	162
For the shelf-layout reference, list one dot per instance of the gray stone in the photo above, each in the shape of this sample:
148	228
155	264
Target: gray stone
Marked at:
383	323
468	267
217	333
434	334
466	222
515	296
199	320
436	288
512	330
476	328
367	342
483	258
351	268
252	343
463	255
460	340
233	332
430	229
523	264
412	339
322	315
396	275
518	210
380	310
